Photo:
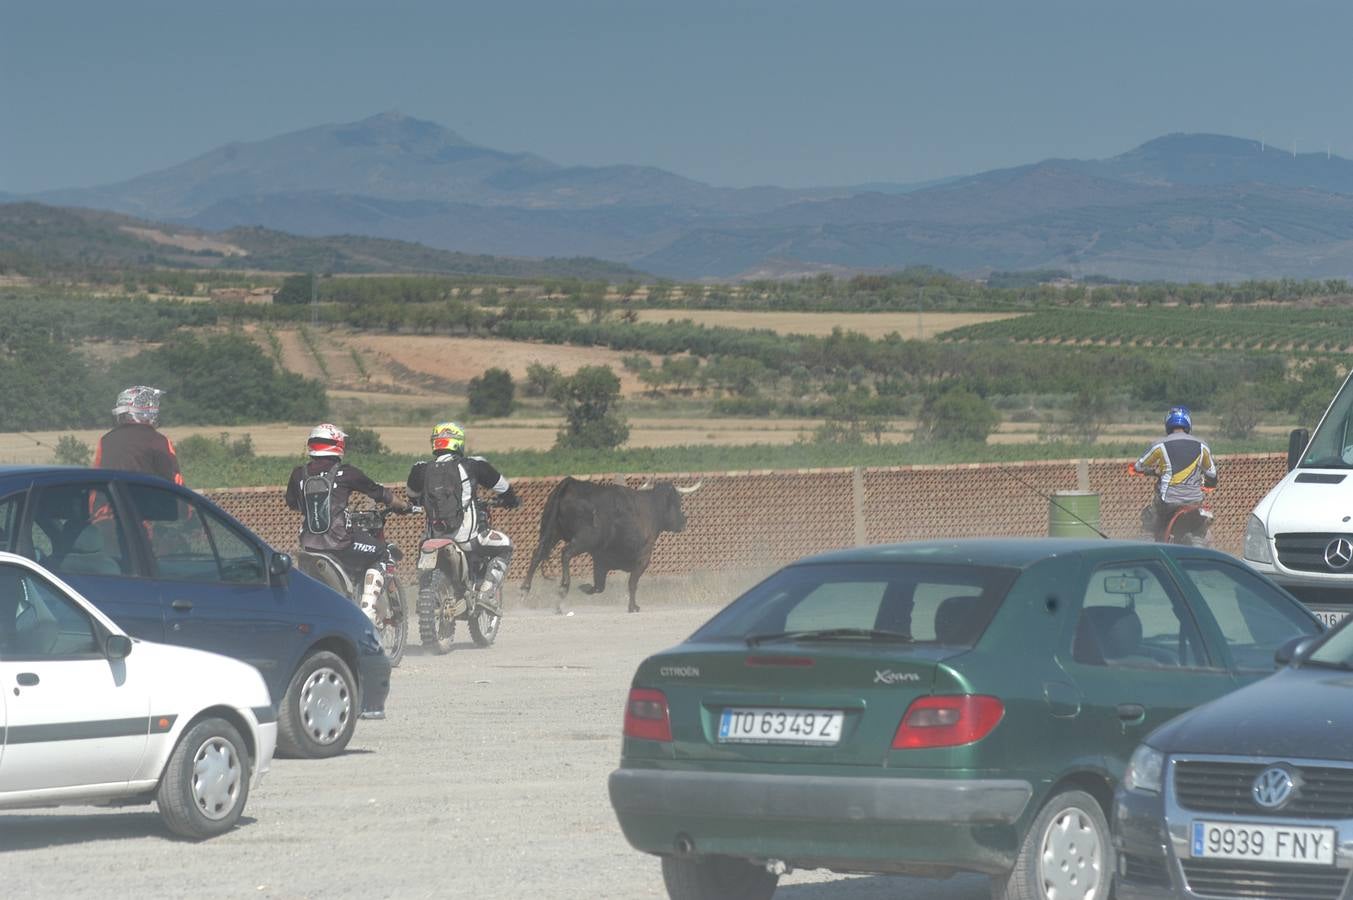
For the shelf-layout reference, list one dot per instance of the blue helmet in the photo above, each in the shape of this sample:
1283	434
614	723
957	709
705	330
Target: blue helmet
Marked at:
1178	417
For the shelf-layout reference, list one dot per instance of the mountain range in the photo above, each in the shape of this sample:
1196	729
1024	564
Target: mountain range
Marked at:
1180	207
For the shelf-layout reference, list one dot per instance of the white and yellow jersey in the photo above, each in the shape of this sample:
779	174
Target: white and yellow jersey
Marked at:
1184	466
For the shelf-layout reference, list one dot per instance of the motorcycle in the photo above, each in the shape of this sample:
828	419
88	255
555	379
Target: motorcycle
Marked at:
392	621
1190	524
447	593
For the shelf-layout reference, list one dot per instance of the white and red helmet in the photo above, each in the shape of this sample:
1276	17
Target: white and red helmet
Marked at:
326	440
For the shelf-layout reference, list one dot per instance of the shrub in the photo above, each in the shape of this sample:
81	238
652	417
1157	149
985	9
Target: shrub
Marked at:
541	379
1240	413
588	398
366	441
71	451
491	394
956	416
295	290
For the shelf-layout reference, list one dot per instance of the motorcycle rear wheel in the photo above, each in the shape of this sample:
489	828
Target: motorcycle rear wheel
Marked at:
436	630
484	624
394	632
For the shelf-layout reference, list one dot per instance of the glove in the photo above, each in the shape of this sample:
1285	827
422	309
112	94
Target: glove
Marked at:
509	500
401	507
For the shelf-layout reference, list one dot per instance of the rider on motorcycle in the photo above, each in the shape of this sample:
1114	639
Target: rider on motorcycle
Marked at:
320	490
1184	467
134	443
445	487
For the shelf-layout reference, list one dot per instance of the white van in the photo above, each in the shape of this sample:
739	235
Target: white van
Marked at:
1301	533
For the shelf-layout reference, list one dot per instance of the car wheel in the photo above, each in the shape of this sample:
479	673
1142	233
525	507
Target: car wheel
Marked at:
1066	853
203	788
319	711
716	878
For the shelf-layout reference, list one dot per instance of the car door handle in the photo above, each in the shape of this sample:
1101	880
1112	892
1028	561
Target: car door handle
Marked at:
27	679
182	605
1131	712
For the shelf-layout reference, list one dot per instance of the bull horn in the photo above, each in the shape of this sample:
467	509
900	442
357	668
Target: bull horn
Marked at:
647	485
690	490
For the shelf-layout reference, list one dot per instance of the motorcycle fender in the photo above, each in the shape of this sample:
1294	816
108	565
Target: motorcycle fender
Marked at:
427	560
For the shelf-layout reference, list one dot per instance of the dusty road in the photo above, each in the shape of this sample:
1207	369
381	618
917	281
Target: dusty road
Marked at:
488	780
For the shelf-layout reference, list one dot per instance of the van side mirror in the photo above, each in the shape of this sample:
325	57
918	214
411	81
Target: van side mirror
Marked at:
279	564
1295	651
117	646
1296	446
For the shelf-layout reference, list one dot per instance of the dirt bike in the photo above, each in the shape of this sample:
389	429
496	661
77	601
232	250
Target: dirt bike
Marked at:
1190	524
447	593
392	620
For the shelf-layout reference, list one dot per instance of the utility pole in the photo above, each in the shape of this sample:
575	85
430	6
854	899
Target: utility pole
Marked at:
314	300
920	304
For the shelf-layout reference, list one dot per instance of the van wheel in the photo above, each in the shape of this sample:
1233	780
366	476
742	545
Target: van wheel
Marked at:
716	878
319	711
1066	853
204	785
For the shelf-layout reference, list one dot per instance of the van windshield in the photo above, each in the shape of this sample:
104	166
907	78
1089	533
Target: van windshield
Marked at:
1332	445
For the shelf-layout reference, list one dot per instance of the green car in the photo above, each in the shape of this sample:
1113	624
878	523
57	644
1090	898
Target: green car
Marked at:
929	708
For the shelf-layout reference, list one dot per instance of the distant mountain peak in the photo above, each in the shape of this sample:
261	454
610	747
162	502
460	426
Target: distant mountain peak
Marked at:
1181	143
394	127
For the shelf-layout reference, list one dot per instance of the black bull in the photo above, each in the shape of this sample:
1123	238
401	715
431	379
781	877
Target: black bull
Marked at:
616	525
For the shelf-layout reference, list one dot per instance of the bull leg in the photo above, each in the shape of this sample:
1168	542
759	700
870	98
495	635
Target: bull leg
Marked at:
640	566
599	573
536	559
565	558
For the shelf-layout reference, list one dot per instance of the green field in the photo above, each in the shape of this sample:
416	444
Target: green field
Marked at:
1308	330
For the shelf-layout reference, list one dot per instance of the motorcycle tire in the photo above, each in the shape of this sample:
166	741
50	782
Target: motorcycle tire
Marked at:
436	630
484	624
394	634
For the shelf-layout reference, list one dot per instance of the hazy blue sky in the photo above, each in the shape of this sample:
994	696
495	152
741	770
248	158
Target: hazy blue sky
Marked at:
737	92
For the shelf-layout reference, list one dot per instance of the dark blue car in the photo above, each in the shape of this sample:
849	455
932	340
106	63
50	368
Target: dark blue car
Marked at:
169	565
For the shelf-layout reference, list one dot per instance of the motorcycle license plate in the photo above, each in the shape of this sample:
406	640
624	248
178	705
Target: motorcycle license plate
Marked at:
757	725
1330	617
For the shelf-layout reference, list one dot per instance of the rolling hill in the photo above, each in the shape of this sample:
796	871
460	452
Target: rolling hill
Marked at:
1183	206
39	239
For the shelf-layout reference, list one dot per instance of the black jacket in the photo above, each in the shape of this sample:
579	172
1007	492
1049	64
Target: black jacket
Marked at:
347	479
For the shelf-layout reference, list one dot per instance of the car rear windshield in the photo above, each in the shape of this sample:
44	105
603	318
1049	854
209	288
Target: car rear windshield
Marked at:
921	603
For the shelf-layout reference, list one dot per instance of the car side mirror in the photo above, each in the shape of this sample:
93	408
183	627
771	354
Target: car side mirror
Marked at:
117	646
1295	651
1296	446
279	565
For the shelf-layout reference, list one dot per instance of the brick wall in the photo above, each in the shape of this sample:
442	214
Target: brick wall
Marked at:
739	520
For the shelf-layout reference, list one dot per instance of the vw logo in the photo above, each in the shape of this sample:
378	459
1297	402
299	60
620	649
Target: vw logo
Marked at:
1339	553
1273	788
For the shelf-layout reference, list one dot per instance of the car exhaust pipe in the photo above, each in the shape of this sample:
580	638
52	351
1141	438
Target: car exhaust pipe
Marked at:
685	847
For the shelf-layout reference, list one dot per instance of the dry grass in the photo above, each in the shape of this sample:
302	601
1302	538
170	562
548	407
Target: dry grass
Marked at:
875	325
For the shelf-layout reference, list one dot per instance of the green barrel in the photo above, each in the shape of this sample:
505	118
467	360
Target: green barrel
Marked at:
1073	514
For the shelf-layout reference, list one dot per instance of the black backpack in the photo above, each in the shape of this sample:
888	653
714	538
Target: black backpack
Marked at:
442	486
317	493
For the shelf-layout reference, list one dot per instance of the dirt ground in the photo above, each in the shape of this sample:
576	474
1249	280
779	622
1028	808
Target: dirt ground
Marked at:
875	324
488	780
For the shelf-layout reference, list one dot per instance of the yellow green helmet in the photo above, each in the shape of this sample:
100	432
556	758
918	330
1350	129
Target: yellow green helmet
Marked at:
449	437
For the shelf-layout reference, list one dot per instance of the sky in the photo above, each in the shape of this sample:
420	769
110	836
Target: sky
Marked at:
735	93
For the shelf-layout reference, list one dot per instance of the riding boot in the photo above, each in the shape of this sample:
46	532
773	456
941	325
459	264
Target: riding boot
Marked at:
371	592
494	574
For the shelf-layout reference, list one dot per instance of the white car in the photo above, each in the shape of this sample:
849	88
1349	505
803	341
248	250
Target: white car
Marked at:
91	716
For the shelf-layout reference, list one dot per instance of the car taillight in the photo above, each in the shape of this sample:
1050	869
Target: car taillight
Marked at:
947	721
646	715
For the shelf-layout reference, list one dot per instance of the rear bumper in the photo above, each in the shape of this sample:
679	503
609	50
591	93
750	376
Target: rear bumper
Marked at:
867	824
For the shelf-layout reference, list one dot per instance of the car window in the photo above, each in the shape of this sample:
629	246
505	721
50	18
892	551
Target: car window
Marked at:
1132	615
191	543
37	621
75	530
10	509
1254	617
946	604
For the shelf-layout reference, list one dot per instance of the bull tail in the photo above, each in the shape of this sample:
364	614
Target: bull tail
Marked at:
549	531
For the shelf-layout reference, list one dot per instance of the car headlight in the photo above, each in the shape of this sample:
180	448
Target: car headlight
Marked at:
1256	542
1145	770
